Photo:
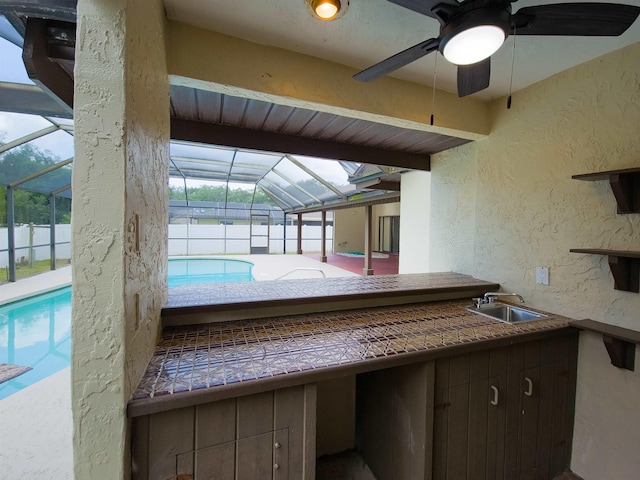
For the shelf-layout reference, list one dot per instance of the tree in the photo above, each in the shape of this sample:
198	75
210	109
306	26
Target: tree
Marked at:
209	193
29	205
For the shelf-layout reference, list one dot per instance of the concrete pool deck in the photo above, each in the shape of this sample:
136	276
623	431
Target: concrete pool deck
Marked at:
28	287
39	417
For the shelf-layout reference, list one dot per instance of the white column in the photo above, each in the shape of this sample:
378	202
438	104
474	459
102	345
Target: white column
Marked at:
323	250
415	206
299	249
368	240
119	221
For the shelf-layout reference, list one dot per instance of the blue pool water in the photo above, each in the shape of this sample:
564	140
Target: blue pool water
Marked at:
36	332
208	270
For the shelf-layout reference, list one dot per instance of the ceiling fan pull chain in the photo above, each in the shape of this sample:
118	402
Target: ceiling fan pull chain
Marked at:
513	61
433	98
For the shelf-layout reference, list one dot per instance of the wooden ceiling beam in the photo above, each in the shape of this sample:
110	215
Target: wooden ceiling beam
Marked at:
379	184
48	75
239	137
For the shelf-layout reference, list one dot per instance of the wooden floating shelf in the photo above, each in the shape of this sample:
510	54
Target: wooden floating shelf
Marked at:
625	185
625	267
619	342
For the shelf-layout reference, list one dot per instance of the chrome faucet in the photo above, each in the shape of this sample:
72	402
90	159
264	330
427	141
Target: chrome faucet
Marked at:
489	297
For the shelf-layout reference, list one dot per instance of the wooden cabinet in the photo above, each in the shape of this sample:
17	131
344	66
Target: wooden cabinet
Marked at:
497	414
469	430
269	435
506	413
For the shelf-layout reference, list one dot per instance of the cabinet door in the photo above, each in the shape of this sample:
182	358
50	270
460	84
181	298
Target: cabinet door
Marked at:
506	413
266	436
214	463
470	416
255	459
540	398
546	411
530	392
258	457
496	414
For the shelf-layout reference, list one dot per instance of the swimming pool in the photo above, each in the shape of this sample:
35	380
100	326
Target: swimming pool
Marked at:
190	271
36	332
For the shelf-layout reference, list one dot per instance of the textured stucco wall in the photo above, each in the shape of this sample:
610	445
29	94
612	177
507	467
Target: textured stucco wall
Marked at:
119	220
415	188
348	227
607	437
506	204
453	210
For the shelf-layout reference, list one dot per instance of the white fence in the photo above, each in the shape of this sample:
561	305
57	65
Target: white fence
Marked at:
184	239
41	236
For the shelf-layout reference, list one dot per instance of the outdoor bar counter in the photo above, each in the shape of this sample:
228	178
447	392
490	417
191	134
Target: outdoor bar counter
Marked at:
227	340
282	379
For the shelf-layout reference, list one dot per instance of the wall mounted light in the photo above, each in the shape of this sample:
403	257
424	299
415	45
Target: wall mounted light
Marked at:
326	9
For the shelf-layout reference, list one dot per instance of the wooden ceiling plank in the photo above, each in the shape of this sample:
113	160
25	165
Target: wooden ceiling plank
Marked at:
256	114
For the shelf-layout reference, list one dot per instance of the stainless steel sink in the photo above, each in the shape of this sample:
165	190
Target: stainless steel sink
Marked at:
506	313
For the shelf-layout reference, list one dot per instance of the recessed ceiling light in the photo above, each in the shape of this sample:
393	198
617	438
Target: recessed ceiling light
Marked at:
326	9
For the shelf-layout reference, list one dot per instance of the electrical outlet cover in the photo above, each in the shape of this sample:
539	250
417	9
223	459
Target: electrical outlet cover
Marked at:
542	275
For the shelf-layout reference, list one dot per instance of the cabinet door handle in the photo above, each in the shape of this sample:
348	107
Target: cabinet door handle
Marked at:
494	400
529	390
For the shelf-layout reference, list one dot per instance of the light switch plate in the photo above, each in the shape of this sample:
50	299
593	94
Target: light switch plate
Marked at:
542	275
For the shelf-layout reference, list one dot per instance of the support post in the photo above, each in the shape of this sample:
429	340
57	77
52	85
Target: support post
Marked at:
368	236
11	239
32	252
119	228
52	231
323	256
48	75
284	233
299	234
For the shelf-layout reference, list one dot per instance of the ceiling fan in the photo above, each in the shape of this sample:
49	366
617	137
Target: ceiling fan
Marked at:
471	31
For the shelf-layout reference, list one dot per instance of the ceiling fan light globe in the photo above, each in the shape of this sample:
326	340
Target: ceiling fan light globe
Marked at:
326	9
474	44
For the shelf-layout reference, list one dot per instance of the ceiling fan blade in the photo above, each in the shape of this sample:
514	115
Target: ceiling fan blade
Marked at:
398	60
473	78
425	7
575	19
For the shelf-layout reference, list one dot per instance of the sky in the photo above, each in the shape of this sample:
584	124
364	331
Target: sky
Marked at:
14	126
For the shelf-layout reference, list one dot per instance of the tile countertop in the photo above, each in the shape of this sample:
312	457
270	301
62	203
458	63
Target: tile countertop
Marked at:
223	295
200	304
203	363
